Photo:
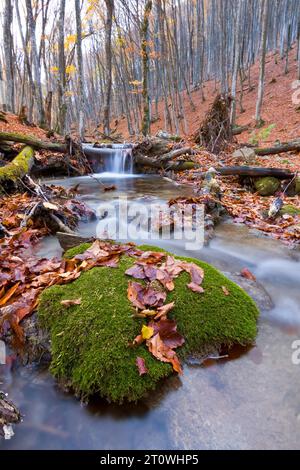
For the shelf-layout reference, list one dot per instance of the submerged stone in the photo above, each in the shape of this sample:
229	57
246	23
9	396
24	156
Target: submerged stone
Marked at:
90	342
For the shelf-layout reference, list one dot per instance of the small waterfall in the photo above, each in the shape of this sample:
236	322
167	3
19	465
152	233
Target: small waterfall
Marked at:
110	158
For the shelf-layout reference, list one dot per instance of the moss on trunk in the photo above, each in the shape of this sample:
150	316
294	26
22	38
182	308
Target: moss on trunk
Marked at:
19	167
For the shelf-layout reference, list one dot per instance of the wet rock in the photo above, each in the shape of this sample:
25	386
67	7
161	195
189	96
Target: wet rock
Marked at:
245	155
267	186
289	209
9	414
255	289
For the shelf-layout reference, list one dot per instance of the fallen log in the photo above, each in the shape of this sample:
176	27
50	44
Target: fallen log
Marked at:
19	167
239	130
9	414
287	147
252	171
33	142
175	153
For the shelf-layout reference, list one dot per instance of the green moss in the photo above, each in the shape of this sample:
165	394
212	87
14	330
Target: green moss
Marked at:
18	167
90	341
267	186
290	210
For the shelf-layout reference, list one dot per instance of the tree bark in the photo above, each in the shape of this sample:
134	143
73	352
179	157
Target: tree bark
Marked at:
145	59
80	71
261	83
62	107
108	66
8	55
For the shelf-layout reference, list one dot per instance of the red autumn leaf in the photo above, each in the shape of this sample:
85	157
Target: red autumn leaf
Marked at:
163	311
164	353
136	271
167	329
195	288
140	363
152	297
133	292
95	251
248	274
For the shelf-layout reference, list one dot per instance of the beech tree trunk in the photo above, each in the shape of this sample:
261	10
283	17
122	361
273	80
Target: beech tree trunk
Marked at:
108	65
261	83
145	58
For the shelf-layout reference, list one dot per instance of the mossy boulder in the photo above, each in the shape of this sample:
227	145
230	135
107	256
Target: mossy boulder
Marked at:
289	209
297	185
20	166
267	186
90	341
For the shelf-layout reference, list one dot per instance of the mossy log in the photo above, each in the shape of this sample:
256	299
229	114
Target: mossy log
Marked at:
19	167
32	142
90	342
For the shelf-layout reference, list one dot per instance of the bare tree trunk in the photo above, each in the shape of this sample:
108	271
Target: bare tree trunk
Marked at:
262	62
81	98
145	57
108	65
36	66
8	55
62	107
236	61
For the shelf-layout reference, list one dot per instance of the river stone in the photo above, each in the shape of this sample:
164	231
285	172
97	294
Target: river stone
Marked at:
90	342
246	154
255	289
267	186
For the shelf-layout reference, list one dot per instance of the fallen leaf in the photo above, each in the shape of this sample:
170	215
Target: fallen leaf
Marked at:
140	363
162	352
147	332
225	290
49	205
68	303
195	288
163	311
133	291
248	274
9	294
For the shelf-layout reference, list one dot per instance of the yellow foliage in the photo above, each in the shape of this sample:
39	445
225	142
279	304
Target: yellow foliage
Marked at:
147	332
135	83
70	69
54	69
70	40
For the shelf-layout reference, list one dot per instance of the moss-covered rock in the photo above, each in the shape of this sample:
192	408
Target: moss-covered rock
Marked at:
267	186
297	185
289	209
90	342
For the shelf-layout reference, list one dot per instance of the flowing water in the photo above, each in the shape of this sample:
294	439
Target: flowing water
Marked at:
250	401
114	158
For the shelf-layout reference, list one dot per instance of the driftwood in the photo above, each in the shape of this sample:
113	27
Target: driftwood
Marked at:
33	142
18	168
286	147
